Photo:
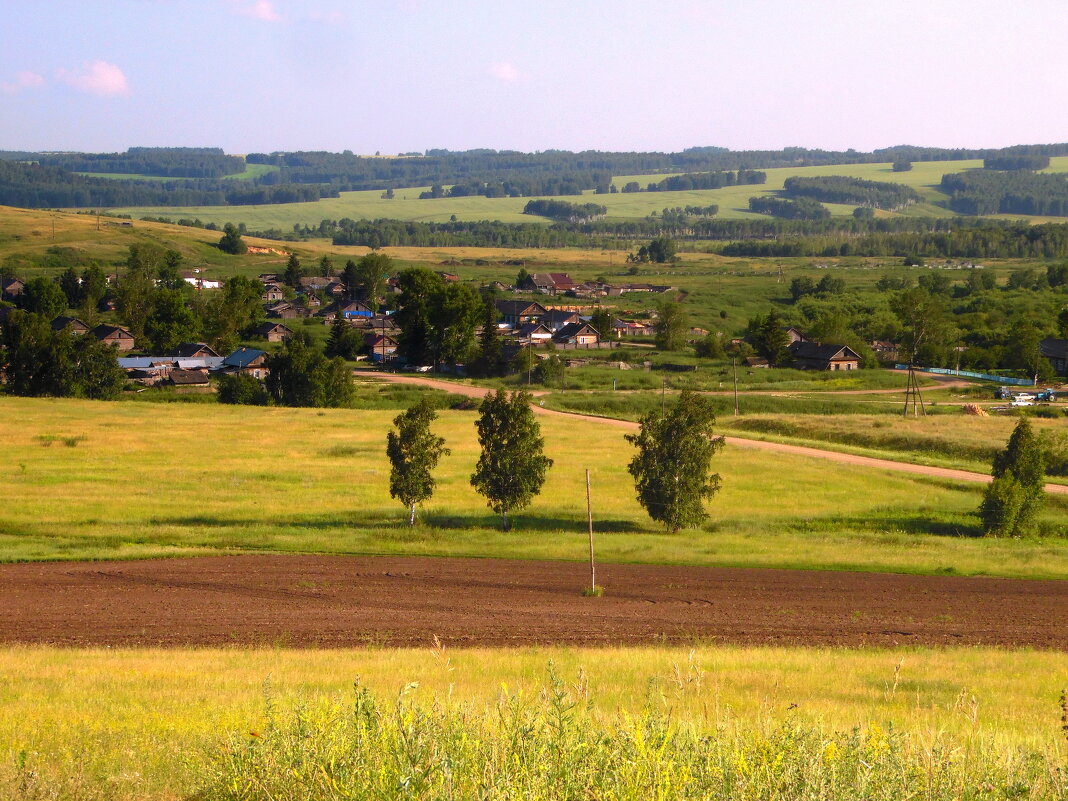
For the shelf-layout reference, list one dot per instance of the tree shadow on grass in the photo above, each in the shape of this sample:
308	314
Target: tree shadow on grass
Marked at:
393	521
892	523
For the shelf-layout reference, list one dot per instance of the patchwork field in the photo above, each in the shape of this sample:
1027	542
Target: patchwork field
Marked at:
733	201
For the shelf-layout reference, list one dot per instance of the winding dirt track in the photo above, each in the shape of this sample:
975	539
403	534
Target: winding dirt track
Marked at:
777	447
342	601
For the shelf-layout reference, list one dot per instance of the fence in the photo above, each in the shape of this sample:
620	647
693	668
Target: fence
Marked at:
1017	382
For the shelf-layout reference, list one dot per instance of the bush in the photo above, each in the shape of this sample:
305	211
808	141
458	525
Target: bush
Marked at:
242	389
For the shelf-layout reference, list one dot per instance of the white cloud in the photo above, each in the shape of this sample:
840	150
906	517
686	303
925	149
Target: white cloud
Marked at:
504	71
96	78
23	80
263	10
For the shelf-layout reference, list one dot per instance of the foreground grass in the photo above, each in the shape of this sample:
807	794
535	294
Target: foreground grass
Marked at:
150	723
183	479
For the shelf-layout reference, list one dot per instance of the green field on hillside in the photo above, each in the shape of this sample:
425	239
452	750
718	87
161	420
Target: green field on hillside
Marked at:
732	201
306	480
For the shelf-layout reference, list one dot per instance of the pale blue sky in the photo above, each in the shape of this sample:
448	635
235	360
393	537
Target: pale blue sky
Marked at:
402	75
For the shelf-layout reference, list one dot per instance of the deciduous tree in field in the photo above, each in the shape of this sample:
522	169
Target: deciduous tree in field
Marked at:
413	452
672	468
231	241
512	467
1013	498
671	326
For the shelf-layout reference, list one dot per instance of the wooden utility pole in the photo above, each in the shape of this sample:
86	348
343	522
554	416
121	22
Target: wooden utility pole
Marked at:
589	520
734	364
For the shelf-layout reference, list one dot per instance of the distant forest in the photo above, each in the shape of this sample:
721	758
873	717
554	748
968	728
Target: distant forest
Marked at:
198	176
854	191
1014	192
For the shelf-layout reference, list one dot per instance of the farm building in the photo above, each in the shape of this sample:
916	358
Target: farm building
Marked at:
546	283
188	378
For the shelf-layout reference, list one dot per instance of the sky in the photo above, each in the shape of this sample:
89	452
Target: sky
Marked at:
396	76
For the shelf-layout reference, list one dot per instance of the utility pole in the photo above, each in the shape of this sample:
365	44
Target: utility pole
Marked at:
734	364
589	520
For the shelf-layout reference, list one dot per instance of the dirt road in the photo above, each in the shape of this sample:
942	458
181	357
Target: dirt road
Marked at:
777	447
342	601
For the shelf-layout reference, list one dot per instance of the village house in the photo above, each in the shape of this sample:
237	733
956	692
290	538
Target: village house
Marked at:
11	288
814	356
795	335
282	310
246	361
884	351
520	312
314	283
555	319
755	362
194	350
577	334
197	281
71	324
382	348
272	293
535	333
1056	350
272	332
114	335
335	289
546	283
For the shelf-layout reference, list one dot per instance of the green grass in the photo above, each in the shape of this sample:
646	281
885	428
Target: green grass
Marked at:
733	201
306	480
150	724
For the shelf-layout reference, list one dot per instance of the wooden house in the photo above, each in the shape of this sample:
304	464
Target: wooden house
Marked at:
1056	350
272	332
535	332
272	293
115	335
194	350
814	356
577	334
520	312
70	324
11	288
246	361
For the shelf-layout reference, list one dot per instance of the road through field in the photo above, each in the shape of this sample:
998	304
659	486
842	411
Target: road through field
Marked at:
344	601
778	447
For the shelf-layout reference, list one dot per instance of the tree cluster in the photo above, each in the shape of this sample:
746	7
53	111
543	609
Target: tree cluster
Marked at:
707	180
437	318
298	375
1012	500
1013	192
801	208
39	361
562	210
1032	162
852	191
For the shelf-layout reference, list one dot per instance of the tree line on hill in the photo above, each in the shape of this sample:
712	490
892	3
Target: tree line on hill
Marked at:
852	191
704	180
165	162
1020	162
1007	192
39	186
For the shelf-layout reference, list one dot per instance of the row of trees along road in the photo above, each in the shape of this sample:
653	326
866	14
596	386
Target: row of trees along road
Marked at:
671	468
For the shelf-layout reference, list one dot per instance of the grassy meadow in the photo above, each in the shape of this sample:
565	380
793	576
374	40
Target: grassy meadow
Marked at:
733	201
150	724
146	479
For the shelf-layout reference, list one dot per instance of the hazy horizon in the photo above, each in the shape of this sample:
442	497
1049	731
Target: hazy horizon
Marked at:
266	75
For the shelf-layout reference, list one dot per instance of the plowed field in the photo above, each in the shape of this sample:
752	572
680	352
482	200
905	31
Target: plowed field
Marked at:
326	602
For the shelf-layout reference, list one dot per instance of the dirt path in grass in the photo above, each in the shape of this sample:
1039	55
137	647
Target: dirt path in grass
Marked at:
342	601
742	442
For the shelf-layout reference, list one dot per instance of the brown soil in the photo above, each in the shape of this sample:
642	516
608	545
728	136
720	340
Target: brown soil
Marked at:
340	601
